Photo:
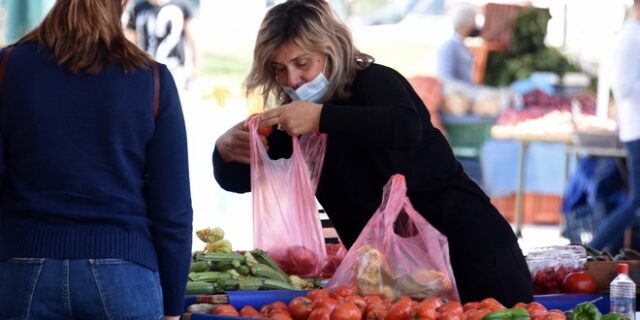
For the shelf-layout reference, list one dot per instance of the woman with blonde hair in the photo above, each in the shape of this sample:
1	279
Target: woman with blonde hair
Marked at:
95	206
376	126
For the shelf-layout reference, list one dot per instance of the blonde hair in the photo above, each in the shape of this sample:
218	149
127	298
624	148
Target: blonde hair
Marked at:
311	25
85	35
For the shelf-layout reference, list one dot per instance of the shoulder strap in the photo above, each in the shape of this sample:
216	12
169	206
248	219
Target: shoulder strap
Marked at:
3	64
156	89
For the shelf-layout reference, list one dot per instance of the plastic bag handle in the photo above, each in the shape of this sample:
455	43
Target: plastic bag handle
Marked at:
254	140
393	199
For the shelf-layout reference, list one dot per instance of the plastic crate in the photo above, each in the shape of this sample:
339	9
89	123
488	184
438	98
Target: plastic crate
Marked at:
467	134
239	299
256	299
536	208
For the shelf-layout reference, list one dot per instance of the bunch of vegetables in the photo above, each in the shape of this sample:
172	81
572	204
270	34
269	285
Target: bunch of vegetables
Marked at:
527	52
218	268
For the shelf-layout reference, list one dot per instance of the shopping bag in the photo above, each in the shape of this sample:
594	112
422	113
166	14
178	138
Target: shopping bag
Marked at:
398	253
286	223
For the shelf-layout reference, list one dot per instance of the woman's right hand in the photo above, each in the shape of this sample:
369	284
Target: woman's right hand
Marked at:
233	145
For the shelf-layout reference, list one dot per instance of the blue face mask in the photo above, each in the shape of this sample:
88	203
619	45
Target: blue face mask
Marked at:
311	91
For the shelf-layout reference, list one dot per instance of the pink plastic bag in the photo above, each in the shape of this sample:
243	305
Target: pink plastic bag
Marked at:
398	253
286	223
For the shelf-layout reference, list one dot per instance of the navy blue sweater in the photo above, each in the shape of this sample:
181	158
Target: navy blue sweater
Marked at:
86	171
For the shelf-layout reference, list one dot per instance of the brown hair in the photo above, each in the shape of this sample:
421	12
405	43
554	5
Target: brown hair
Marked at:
85	35
311	25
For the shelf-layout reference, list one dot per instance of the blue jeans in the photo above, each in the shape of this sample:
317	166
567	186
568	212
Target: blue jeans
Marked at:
33	288
610	232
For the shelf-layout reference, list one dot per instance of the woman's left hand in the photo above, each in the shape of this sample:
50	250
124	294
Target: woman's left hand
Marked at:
296	118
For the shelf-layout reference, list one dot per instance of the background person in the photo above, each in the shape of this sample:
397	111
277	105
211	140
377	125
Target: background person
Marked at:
163	28
626	91
377	126
95	207
455	60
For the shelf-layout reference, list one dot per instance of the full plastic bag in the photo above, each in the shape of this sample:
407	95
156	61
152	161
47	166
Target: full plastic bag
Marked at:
286	223
398	253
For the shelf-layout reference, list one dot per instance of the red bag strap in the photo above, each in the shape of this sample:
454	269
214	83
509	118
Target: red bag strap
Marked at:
3	64
156	89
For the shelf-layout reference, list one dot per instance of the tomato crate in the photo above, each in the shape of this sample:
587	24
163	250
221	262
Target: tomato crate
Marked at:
466	134
256	299
239	299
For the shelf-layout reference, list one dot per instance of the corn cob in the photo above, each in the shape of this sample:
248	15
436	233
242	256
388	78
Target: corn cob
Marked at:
199	287
199	266
262	270
263	258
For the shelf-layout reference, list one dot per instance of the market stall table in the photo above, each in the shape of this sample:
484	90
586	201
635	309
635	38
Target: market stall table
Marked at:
572	147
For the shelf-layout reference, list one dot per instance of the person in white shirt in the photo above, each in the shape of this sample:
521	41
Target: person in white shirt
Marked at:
626	91
455	60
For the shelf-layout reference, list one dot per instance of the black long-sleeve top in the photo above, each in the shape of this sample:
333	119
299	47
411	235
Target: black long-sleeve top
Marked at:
382	129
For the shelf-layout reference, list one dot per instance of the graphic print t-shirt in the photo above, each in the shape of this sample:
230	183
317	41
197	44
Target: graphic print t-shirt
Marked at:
160	30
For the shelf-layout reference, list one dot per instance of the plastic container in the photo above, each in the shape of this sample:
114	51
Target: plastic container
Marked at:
622	293
550	265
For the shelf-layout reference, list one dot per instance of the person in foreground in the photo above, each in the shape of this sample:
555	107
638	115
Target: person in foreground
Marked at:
626	91
95	206
376	126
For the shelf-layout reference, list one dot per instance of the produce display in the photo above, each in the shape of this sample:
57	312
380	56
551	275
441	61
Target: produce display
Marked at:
549	266
218	268
552	117
344	303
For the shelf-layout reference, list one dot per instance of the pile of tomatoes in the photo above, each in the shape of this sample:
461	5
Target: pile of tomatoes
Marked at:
344	303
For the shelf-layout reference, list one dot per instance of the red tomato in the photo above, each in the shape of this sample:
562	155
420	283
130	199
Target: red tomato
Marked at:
370	298
265	131
376	313
423	311
320	314
249	312
476	314
399	310
281	315
473	305
579	282
520	305
453	306
346	311
279	305
556	314
344	290
357	300
329	303
316	294
301	261
433	301
300	308
536	309
225	310
491	304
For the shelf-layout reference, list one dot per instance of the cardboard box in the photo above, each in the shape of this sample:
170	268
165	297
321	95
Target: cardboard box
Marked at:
606	271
